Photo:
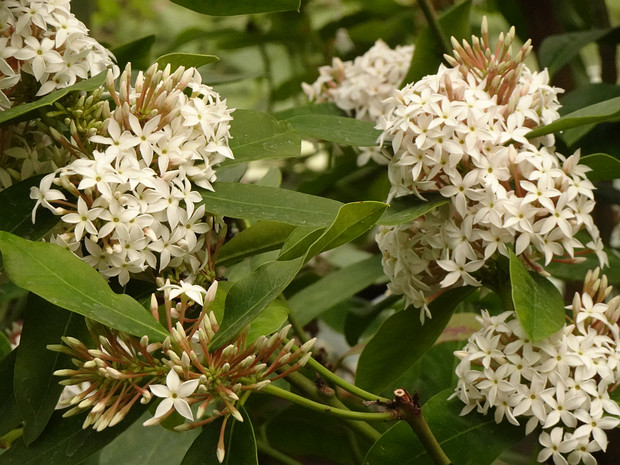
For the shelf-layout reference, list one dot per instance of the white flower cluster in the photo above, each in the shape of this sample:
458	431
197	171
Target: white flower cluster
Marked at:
135	207
561	383
44	40
461	132
361	86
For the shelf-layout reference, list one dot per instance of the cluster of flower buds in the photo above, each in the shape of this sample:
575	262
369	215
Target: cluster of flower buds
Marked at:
45	45
192	379
561	383
360	87
133	177
462	133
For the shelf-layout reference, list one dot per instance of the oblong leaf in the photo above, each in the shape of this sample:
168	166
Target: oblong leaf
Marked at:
537	302
250	201
467	440
597	113
137	52
259	136
338	129
36	388
25	111
187	60
251	294
258	238
604	167
238	7
334	288
63	279
404	209
557	50
402	340
10	417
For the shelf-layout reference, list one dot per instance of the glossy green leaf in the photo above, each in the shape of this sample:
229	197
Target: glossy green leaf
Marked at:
326	108
402	340
36	388
165	447
472	439
557	50
538	303
187	60
27	110
66	281
428	53
10	417
604	167
250	201
334	288
262	236
338	129
239	443
251	294
597	113
138	52
405	209
259	136
64	442
16	211
299	241
238	7
269	320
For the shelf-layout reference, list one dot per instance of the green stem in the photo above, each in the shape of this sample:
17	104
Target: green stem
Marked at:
338	381
409	410
436	28
326	409
299	330
264	448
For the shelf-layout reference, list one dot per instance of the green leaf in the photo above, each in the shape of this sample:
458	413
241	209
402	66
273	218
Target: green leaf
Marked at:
250	201
138	52
10	417
538	303
578	271
597	113
393	341
472	439
251	294
405	209
299	241
334	288
26	111
269	320
239	441
326	108
5	345
165	447
259	136
338	129
262	236
353	220
557	50
604	167
36	388
238	7
66	281
16	211
428	53
64	442
187	60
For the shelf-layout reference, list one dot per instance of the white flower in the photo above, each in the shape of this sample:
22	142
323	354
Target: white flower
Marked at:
174	394
193	291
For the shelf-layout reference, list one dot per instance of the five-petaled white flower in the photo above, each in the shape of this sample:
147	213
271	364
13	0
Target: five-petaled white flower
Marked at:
174	394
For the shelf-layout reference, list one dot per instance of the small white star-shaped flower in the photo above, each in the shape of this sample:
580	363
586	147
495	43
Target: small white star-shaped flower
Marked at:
174	394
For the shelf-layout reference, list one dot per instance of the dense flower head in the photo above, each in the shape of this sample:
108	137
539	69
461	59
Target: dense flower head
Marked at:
361	86
42	41
561	382
192	379
462	133
127	201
